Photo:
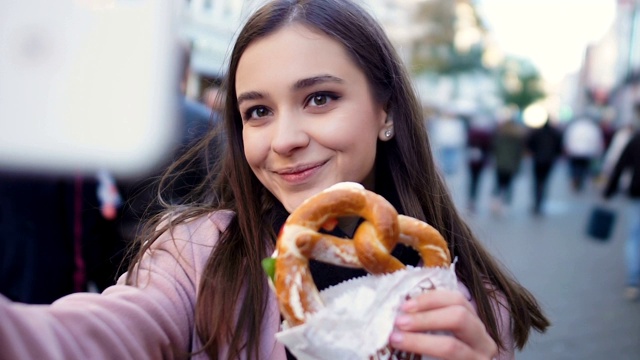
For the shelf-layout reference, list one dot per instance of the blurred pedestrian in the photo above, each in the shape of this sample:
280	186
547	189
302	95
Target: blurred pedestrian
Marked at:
620	140
608	129
213	98
197	117
479	143
508	150
630	160
449	137
545	146
583	145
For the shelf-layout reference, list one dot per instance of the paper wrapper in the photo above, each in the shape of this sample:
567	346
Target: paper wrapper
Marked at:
359	314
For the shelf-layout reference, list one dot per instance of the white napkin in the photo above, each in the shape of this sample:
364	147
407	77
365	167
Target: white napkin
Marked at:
359	314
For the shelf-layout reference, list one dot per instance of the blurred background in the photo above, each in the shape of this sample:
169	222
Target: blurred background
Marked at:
528	103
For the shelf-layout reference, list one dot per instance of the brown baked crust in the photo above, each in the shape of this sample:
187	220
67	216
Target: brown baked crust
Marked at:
371	247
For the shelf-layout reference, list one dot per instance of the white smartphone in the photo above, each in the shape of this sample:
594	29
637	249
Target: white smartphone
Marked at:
87	85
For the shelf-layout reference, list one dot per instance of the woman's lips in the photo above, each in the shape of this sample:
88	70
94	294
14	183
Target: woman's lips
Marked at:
300	174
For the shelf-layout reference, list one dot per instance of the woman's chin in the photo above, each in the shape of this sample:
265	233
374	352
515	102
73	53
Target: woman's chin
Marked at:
291	201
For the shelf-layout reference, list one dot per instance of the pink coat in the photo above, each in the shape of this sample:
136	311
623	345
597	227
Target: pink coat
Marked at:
154	320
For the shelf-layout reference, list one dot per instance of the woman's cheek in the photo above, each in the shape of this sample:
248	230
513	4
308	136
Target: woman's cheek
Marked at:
250	148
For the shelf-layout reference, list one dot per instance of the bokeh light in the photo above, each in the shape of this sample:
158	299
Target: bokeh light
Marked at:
535	115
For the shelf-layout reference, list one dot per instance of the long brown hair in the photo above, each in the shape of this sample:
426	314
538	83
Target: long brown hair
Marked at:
222	318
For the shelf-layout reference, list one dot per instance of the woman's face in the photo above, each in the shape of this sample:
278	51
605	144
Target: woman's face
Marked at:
309	118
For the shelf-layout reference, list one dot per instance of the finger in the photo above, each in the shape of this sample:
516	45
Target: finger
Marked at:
436	299
438	346
455	319
452	318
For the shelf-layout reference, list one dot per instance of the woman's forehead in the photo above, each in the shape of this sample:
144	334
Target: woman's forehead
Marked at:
290	39
290	53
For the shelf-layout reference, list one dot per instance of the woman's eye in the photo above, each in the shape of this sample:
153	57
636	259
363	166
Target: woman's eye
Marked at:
321	99
256	112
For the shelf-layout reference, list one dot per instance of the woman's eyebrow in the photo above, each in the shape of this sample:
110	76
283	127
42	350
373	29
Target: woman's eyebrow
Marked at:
300	84
308	82
251	95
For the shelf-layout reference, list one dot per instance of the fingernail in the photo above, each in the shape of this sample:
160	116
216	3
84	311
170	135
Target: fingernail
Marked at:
402	320
395	338
409	305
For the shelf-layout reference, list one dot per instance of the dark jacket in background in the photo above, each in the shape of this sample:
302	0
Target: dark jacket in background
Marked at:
508	147
140	194
629	160
545	144
40	218
479	144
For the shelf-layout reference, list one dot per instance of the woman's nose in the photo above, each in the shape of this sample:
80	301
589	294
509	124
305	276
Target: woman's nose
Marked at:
289	135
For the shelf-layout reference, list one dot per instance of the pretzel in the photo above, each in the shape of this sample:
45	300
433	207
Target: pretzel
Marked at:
371	247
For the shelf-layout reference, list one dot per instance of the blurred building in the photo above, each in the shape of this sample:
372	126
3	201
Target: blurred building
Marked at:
610	75
211	26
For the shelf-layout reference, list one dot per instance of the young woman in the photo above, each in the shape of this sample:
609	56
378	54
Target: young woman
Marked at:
315	95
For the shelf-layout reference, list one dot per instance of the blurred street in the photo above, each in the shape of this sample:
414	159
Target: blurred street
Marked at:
578	281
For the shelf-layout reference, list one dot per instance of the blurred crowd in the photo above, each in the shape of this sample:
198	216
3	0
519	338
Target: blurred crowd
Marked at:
601	157
500	142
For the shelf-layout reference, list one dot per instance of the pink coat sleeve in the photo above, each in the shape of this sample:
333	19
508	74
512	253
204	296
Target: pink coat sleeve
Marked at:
152	320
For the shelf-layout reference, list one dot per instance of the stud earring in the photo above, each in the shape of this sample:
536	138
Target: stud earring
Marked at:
388	133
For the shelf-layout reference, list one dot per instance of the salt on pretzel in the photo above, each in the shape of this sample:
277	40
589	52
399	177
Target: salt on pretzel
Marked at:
370	248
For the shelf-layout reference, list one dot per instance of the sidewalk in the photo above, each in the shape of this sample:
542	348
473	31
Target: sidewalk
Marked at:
578	282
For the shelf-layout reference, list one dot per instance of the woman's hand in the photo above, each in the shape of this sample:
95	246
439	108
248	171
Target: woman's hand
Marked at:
442	311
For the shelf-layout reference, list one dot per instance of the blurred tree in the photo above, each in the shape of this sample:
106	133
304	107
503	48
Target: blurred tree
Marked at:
520	82
452	41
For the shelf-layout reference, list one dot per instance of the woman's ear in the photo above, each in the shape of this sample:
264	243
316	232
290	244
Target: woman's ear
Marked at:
386	132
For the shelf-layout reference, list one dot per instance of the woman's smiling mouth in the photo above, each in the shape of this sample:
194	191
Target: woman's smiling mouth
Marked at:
299	174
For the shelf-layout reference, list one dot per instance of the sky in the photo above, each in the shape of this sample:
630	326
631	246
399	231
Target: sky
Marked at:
552	33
